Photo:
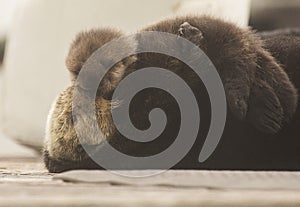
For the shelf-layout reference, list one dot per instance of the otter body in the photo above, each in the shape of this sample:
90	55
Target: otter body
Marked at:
261	129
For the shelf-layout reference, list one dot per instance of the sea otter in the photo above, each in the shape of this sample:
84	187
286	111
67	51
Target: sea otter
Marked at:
261	99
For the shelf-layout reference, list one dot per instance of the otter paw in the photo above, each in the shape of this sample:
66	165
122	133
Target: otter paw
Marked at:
190	33
238	105
265	111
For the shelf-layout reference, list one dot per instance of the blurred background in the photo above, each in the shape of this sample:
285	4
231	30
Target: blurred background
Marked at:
35	36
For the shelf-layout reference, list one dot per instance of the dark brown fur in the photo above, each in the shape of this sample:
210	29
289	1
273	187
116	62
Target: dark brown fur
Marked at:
261	99
242	63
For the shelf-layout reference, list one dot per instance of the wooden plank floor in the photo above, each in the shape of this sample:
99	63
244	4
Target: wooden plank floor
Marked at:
25	182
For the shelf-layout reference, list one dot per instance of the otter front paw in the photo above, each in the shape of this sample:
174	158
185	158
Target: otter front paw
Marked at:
237	95
237	104
265	111
191	33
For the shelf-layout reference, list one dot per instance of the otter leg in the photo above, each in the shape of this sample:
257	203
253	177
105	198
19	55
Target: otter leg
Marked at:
237	91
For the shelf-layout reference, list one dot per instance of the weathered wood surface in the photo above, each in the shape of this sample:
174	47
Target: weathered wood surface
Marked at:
24	182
